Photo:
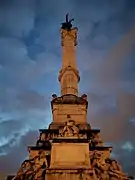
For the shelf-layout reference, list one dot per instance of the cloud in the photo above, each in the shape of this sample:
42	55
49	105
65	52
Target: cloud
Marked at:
11	162
17	18
116	59
126	104
22	107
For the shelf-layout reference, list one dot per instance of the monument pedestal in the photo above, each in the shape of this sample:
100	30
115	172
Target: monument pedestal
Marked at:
70	174
70	160
65	155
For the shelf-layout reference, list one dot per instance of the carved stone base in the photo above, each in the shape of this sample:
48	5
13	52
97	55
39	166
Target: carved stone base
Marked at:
70	155
70	174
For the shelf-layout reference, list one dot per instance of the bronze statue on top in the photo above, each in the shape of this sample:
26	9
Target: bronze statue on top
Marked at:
67	25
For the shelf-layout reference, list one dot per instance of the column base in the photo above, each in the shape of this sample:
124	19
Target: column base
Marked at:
70	174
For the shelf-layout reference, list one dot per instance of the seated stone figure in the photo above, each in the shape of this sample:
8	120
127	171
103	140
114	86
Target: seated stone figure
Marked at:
115	171
94	157
33	169
26	171
103	168
74	129
106	169
40	166
69	130
99	166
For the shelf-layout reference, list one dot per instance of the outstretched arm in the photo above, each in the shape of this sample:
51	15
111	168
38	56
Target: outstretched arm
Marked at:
71	20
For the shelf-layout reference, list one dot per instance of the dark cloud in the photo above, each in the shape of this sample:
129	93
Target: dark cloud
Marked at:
30	58
11	161
126	104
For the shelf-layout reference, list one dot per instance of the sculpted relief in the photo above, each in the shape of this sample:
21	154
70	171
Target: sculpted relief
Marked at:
33	169
106	169
69	37
69	130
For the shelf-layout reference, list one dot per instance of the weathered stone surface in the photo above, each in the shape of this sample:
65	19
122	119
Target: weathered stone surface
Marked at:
70	155
77	112
70	174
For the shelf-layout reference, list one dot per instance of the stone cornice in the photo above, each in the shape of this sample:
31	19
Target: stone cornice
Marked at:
69	99
70	33
69	68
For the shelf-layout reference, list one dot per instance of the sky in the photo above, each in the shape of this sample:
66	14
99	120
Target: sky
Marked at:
30	59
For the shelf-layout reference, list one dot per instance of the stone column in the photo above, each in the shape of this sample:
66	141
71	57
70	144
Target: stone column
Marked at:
69	75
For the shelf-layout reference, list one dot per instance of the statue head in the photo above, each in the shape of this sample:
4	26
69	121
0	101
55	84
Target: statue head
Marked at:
71	123
114	163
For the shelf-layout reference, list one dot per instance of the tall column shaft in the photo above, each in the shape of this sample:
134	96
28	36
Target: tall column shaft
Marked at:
69	75
69	42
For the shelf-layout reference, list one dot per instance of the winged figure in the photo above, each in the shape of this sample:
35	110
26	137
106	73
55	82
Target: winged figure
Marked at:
67	24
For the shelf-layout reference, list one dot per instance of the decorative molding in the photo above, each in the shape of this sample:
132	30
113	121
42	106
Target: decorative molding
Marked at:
69	130
69	36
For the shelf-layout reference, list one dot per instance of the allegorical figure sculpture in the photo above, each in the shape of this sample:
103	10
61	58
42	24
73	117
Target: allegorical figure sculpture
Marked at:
115	171
40	166
33	169
26	171
67	25
99	166
106	169
69	130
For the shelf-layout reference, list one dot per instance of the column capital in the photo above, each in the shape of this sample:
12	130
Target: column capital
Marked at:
69	37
